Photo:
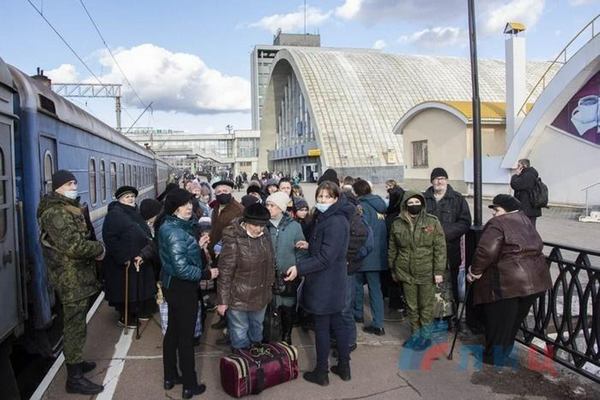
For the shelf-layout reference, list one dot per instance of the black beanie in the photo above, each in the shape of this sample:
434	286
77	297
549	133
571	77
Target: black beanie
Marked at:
175	199
150	208
168	188
506	201
437	172
299	203
61	177
124	190
248	200
253	189
329	175
256	214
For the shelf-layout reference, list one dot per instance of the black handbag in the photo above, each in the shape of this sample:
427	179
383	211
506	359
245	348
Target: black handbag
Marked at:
271	323
283	288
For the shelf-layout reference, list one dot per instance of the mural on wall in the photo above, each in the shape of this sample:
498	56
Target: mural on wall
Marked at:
581	115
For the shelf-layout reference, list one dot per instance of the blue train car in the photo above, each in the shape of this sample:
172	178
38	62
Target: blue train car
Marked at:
41	132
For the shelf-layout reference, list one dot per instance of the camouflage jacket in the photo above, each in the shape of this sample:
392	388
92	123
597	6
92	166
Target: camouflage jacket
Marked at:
68	249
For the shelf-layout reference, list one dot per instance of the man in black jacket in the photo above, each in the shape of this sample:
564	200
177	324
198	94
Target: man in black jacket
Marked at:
451	208
523	182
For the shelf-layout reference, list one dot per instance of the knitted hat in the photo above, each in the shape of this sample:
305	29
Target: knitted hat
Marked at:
256	214
253	189
150	208
507	202
280	199
175	199
271	182
299	203
329	175
223	182
248	199
124	190
61	177
437	172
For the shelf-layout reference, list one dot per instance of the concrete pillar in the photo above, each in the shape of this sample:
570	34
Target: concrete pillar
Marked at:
516	79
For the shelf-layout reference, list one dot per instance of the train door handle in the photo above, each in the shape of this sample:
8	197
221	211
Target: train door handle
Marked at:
7	258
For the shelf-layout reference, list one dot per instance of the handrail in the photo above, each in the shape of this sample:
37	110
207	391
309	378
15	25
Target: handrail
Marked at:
590	186
563	53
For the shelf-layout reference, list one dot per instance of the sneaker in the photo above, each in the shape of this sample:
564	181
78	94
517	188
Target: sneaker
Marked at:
131	323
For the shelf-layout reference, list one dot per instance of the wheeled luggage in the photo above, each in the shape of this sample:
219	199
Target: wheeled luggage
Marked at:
250	371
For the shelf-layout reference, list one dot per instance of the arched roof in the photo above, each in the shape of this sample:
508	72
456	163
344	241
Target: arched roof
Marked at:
357	96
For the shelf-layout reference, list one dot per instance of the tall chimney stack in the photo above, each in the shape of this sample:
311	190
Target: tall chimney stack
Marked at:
516	77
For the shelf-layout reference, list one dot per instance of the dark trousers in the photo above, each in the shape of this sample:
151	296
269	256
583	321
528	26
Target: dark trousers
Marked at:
182	297
533	219
502	321
323	325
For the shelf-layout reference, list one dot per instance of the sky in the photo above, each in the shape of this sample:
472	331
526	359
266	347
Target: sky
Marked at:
191	58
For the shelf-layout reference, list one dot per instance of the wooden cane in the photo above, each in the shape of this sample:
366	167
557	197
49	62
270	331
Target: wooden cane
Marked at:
127	265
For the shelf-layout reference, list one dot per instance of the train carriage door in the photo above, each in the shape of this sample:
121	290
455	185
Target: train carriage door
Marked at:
48	162
9	279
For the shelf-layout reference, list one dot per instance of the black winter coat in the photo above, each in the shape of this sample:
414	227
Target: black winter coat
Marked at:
126	235
325	271
454	214
523	185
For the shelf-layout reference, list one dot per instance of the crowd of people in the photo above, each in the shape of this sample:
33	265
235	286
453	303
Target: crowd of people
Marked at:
272	252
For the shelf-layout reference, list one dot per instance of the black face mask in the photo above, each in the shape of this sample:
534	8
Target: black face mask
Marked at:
414	210
224	198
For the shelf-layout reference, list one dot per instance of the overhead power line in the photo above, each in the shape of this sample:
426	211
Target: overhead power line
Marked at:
65	42
111	54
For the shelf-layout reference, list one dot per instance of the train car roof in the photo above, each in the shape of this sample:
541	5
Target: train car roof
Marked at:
32	91
5	77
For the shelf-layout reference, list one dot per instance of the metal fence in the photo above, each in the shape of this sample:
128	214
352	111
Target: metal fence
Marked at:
564	323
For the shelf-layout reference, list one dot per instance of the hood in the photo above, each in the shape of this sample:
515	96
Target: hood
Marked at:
408	195
531	171
374	201
52	199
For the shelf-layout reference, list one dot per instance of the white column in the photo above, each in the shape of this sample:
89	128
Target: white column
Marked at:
516	83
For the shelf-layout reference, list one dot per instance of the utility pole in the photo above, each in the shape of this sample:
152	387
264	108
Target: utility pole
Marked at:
477	181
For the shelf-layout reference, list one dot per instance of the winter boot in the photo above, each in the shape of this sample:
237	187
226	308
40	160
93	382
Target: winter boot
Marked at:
87	366
287	323
342	370
318	377
77	383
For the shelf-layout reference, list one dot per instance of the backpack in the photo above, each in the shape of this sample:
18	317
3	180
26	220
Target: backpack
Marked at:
358	245
539	194
368	244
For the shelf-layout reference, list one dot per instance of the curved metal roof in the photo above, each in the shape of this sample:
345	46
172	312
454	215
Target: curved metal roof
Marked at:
5	78
357	96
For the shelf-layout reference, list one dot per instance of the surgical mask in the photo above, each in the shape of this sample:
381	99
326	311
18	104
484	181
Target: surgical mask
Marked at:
322	207
224	198
414	209
72	194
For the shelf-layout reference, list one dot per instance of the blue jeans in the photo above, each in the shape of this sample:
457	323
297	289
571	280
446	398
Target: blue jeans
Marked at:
348	311
245	327
375	296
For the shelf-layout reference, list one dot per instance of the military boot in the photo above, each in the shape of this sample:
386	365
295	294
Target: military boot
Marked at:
87	366
77	383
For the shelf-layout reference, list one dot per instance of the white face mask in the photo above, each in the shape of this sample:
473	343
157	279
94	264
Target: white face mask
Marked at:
322	207
71	194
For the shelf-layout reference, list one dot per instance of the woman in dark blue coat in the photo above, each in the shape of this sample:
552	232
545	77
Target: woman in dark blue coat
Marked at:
373	208
324	272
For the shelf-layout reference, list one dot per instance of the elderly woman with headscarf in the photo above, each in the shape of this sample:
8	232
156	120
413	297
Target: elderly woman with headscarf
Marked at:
125	234
509	272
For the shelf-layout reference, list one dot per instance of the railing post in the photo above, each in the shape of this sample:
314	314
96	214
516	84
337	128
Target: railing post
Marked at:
586	202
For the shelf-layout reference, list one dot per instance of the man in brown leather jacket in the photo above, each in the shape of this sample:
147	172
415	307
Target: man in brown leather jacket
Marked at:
510	272
246	275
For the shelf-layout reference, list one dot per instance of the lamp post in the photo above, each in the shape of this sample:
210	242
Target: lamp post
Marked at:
477	184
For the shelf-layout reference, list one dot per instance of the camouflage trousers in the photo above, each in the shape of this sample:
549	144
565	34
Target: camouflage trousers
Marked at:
419	302
74	330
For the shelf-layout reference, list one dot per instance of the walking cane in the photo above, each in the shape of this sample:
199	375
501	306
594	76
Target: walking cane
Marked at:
468	290
137	315
127	265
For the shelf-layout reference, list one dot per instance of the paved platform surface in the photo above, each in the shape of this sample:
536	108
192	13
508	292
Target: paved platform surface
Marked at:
132	369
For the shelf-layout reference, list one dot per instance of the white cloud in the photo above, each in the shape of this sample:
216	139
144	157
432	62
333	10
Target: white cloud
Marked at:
441	36
349	10
581	2
292	21
177	82
379	44
65	73
372	11
495	17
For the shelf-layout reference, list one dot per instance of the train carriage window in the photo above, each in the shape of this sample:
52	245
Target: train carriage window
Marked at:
134	178
92	173
48	171
113	178
122	169
129	176
3	199
103	179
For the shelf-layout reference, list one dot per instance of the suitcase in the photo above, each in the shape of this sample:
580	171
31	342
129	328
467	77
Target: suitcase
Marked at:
250	371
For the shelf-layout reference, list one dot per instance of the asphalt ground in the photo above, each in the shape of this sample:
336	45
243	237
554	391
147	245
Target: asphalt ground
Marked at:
381	368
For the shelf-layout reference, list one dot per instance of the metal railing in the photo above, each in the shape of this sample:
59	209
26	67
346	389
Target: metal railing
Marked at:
564	323
587	203
561	58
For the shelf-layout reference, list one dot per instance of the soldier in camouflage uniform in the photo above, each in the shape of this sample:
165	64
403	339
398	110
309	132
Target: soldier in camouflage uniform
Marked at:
417	258
69	251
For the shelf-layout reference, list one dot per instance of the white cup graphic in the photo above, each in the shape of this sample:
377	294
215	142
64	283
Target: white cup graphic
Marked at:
586	110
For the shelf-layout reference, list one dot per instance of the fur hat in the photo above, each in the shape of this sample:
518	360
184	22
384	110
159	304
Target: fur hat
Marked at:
507	202
437	172
150	208
280	199
175	199
123	190
61	177
329	175
256	214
